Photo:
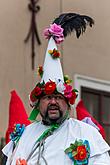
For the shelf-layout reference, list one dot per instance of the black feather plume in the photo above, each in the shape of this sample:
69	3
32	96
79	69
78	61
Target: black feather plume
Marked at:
71	22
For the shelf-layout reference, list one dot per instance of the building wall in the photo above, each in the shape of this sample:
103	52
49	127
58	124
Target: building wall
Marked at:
88	55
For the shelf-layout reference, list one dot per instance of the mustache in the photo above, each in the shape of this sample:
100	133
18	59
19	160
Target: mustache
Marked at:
51	106
54	107
46	118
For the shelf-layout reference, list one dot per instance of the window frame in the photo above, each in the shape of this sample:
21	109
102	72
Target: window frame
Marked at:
89	82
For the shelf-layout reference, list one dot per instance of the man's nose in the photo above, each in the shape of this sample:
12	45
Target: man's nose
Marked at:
53	100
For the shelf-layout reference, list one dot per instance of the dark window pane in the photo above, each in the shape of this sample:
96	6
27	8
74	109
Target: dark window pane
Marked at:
107	131
91	102
98	104
106	110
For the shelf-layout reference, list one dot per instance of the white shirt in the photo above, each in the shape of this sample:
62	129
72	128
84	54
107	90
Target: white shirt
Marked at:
55	144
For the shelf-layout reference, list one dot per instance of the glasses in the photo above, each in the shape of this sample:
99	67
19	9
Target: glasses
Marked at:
56	97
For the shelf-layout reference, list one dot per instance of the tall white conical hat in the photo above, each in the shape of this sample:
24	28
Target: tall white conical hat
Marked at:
52	69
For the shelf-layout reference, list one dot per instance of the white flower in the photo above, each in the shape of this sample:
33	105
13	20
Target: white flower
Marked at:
60	86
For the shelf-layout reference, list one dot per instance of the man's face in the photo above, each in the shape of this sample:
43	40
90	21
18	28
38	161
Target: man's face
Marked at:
53	107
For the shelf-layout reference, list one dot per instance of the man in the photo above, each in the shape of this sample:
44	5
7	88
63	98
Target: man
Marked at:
54	109
56	139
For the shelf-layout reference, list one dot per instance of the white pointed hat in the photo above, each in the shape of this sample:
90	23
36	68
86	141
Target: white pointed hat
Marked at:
60	28
52	69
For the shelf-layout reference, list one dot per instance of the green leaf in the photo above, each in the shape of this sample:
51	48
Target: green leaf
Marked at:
68	150
74	153
75	90
75	163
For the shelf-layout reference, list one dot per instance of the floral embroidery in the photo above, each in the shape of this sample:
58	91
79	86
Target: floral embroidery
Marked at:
16	134
54	53
79	152
21	162
56	31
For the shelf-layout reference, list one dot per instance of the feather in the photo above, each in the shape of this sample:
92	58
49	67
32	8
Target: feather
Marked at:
71	22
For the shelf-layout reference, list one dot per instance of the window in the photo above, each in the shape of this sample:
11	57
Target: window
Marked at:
98	104
96	96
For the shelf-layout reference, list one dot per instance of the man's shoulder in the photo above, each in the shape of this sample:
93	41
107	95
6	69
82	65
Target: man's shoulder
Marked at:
84	128
81	124
32	126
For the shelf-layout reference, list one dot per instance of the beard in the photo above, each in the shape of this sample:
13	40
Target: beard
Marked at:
47	120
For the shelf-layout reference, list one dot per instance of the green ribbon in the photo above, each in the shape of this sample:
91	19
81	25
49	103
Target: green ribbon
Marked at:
33	114
48	132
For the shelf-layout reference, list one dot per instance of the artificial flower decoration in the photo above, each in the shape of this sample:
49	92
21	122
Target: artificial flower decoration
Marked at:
60	86
79	152
49	87
53	87
40	71
21	162
54	53
18	131
70	93
36	92
67	79
55	31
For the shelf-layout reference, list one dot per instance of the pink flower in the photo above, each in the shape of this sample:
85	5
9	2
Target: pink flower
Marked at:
59	39
68	91
70	94
46	33
56	31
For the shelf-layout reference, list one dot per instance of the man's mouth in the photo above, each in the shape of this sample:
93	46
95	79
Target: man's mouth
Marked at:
53	108
53	113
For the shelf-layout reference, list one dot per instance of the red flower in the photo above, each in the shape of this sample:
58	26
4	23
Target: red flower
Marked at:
73	98
81	153
54	53
21	162
36	92
49	87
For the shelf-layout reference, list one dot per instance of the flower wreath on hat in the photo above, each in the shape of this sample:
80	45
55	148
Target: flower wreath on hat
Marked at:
53	87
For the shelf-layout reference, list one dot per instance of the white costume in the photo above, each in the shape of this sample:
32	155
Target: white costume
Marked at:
56	143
